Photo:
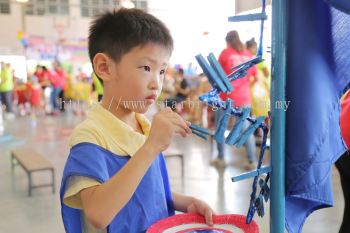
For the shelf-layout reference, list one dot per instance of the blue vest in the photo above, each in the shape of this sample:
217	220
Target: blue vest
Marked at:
151	201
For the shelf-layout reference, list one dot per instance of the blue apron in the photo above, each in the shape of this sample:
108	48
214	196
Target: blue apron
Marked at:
318	63
151	201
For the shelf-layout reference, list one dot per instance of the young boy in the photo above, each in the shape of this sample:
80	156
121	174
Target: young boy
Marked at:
115	179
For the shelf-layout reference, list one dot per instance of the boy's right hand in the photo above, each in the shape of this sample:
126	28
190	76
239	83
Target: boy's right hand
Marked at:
165	124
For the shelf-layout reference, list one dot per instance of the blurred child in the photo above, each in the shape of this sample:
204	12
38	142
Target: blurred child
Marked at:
260	91
82	89
182	92
34	91
21	97
97	86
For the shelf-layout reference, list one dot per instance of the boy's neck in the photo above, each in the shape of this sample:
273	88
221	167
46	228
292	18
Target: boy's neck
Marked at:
125	115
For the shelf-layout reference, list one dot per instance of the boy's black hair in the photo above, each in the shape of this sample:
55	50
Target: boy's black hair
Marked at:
116	33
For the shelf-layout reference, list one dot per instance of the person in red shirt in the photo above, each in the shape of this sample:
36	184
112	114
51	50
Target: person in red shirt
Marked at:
233	55
58	79
343	163
42	74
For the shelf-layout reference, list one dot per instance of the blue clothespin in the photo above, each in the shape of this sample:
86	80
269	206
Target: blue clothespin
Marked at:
216	102
259	205
249	63
251	212
220	72
249	17
199	131
240	71
221	127
212	99
251	174
211	74
264	189
209	96
251	129
200	135
236	129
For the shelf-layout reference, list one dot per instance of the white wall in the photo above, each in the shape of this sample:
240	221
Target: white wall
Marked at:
10	25
186	19
244	5
76	27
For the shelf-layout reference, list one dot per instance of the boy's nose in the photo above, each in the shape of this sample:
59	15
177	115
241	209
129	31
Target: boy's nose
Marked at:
155	83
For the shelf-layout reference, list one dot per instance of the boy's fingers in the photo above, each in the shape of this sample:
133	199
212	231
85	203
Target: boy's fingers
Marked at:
186	124
209	217
182	119
167	110
179	122
181	131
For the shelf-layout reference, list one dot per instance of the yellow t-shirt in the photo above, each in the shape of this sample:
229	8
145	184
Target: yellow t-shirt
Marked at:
103	129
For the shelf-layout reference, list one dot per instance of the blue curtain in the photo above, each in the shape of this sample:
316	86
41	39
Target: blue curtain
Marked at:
318	63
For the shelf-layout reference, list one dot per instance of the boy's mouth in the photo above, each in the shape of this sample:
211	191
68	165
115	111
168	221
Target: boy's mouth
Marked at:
151	97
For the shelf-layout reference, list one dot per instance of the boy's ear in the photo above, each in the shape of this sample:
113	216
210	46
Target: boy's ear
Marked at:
103	66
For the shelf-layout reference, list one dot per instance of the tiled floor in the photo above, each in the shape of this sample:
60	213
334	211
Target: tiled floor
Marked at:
41	212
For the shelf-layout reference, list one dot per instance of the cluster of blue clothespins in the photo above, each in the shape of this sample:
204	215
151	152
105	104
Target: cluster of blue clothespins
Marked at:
222	83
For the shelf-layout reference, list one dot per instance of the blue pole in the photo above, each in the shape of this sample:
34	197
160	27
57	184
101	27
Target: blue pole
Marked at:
278	87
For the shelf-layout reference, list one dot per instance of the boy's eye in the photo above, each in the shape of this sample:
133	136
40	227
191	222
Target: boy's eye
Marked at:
146	68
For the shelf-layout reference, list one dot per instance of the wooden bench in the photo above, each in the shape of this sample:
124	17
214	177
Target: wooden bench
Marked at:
173	153
32	161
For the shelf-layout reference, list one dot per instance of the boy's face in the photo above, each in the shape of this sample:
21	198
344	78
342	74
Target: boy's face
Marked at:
137	79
